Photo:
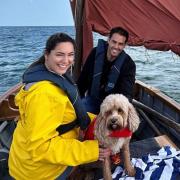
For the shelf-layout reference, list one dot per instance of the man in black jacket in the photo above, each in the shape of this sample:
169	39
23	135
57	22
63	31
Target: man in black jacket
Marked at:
108	70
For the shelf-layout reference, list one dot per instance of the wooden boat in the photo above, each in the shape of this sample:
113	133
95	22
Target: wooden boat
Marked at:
160	115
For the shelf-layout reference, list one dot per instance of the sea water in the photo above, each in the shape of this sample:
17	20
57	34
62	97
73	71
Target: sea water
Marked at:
20	46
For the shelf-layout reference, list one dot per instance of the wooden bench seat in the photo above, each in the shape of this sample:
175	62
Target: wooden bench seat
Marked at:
149	146
164	140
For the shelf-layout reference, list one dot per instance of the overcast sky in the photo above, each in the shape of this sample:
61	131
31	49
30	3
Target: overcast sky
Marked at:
35	13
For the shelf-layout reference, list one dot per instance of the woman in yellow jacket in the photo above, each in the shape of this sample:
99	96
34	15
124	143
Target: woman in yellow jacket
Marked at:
45	142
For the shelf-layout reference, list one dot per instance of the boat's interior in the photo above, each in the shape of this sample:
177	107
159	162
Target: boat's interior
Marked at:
150	145
148	138
153	133
152	123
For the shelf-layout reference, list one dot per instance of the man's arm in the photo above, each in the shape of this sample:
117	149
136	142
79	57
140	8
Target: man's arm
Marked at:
125	84
85	78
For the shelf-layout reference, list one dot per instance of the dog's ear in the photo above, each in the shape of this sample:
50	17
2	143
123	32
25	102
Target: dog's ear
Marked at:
133	118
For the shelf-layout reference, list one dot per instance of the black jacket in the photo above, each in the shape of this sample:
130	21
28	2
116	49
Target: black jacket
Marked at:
125	82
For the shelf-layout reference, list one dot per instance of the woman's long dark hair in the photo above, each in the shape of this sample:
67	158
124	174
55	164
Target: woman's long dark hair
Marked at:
51	44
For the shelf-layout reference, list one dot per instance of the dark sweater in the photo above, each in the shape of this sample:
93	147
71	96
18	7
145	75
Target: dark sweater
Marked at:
125	82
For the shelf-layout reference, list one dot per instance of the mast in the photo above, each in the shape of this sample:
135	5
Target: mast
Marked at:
77	7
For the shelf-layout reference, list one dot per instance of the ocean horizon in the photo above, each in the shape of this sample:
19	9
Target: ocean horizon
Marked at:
21	45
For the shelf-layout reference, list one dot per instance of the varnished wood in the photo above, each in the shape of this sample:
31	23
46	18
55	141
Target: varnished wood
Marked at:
8	109
165	141
78	16
7	112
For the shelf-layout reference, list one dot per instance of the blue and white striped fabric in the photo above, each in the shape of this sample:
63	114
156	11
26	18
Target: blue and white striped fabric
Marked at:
164	165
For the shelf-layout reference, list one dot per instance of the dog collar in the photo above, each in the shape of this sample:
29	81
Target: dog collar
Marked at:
121	133
89	134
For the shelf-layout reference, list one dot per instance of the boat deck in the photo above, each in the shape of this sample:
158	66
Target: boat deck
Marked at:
149	146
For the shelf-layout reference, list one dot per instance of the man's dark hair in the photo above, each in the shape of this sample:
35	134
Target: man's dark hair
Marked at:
119	30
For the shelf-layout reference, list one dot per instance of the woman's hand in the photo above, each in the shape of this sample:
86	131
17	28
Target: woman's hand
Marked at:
81	135
104	153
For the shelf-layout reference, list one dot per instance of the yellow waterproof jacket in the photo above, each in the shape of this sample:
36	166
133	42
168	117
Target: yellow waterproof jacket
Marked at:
37	150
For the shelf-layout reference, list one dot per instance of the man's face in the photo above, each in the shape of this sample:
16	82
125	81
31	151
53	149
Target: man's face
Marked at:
116	45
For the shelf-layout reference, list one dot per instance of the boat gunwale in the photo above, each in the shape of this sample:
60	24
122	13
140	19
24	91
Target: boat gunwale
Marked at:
157	93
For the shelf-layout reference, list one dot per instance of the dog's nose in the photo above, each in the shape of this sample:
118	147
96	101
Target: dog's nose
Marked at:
113	120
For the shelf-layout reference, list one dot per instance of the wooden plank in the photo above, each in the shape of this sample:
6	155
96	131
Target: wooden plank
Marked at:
7	112
161	118
157	94
164	140
8	109
12	90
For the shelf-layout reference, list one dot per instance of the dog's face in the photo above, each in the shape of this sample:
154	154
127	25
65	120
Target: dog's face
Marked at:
117	113
114	111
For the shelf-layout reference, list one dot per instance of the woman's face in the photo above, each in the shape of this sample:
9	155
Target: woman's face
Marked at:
60	58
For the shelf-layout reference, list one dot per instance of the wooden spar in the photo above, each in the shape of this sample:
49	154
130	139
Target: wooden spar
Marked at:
72	3
78	18
163	118
151	124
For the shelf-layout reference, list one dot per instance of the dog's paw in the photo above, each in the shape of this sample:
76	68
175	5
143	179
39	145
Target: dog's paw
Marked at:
131	172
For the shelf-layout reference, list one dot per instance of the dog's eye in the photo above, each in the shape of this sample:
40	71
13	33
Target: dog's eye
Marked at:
120	110
108	113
